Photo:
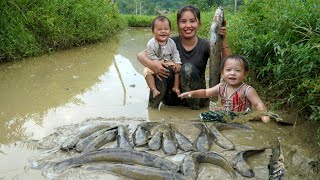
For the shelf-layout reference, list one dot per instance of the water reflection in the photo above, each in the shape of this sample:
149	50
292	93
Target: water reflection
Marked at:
40	94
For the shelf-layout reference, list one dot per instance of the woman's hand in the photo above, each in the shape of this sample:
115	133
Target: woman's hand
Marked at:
160	69
265	118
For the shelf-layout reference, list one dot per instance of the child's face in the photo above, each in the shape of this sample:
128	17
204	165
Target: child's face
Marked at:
233	72
161	31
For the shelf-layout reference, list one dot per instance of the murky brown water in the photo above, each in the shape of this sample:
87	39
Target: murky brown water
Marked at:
105	80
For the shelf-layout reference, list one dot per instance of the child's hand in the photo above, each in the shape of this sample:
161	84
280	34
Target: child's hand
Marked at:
265	118
177	68
185	95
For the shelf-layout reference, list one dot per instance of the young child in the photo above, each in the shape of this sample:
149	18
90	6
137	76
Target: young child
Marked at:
236	96
162	48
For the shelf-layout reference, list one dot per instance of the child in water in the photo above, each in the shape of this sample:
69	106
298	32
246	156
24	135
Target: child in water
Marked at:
162	48
236	96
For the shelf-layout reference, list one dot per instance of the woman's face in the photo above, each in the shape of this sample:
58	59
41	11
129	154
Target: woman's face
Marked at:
188	25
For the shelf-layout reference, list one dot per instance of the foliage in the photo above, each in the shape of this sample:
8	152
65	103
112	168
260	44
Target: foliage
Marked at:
282	41
153	7
30	27
138	20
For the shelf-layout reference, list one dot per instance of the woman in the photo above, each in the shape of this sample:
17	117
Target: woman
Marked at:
194	54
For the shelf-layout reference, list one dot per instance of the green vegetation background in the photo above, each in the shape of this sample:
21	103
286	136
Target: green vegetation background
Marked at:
280	38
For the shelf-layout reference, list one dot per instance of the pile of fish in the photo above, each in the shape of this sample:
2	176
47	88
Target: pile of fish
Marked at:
126	159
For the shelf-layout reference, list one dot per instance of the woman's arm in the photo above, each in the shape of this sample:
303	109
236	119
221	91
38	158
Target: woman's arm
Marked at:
158	67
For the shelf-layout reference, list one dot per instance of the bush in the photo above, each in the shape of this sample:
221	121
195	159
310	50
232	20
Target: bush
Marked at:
282	41
33	27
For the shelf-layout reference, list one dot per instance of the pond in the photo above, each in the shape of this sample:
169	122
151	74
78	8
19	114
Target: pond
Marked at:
104	80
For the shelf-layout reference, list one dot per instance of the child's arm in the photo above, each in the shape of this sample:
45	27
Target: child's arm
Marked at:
256	102
201	93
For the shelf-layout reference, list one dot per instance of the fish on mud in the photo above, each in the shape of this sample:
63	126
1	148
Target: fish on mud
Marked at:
138	172
82	144
102	139
276	165
239	162
220	140
155	142
71	142
116	155
190	164
140	136
123	140
203	142
183	142
244	117
226	126
169	145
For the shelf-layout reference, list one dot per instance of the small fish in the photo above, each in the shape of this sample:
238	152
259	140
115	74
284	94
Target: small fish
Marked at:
82	144
220	140
203	142
102	139
183	142
169	145
140	136
71	142
239	163
189	167
276	165
123	141
155	142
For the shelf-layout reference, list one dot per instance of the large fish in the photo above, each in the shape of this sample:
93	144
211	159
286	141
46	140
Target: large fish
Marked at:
117	155
215	48
139	172
239	163
276	165
71	142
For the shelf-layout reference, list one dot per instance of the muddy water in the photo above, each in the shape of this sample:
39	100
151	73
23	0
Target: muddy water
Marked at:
104	81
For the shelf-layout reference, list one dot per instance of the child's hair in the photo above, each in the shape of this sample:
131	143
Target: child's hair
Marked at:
238	58
190	8
159	18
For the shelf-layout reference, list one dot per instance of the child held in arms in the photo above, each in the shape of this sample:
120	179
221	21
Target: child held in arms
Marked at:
162	48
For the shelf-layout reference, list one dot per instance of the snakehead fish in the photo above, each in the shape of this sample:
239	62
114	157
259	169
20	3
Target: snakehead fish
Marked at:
139	172
141	135
71	142
155	142
183	142
190	164
116	155
101	140
123	140
203	142
215	48
239	163
220	140
276	165
169	144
